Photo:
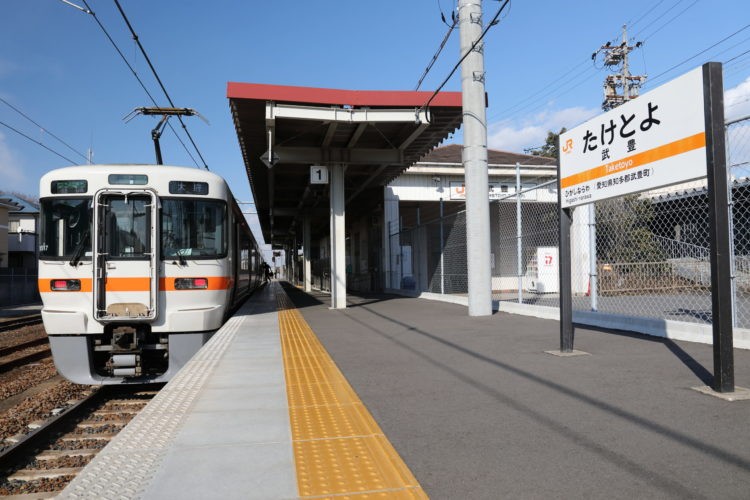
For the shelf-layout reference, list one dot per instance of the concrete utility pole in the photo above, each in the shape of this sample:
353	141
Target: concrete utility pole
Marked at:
475	160
617	56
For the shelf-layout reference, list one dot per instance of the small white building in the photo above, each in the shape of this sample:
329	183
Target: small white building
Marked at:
414	258
6	204
23	220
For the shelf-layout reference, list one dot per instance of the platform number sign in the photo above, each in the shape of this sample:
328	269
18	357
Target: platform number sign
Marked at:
318	174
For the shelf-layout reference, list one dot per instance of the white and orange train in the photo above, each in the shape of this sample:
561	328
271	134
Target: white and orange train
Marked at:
138	266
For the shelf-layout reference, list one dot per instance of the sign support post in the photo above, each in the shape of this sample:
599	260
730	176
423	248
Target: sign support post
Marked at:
721	248
564	264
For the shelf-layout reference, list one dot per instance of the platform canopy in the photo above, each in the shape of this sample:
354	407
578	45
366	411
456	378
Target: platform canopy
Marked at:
376	135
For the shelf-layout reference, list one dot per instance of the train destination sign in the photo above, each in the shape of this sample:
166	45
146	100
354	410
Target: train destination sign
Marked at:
655	140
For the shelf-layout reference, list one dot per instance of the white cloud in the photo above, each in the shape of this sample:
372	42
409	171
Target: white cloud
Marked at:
11	171
737	101
515	135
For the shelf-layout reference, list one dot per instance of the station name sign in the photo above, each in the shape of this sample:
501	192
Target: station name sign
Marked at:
655	140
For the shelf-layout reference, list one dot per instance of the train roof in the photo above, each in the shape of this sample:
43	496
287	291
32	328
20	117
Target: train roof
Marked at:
158	178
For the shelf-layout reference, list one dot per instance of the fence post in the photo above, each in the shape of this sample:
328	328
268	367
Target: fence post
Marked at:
442	251
593	289
519	234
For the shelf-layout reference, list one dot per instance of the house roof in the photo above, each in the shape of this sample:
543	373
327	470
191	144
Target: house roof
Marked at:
22	206
451	154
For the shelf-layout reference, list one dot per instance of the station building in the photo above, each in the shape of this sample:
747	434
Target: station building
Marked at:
338	176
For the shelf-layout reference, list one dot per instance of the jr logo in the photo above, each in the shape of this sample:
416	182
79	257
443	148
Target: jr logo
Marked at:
568	147
547	260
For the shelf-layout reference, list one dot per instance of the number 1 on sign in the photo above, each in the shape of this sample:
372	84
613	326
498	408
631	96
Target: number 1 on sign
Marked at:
318	174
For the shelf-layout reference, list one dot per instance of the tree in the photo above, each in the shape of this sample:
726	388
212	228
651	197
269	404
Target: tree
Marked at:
623	235
549	149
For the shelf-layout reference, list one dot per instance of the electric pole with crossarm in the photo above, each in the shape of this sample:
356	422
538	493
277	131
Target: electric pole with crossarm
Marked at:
616	58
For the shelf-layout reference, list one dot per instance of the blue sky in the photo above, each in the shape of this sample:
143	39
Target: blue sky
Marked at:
58	68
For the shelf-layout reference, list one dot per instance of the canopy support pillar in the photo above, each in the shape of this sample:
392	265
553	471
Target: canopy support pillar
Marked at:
338	237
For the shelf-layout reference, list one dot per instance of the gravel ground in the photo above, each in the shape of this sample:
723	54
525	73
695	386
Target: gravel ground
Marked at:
30	393
22	378
15	420
61	463
23	334
20	488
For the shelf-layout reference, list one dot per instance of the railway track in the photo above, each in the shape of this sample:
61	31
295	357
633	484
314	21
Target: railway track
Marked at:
23	353
49	457
14	323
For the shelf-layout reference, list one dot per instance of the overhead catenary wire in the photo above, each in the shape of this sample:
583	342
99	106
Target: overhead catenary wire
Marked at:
90	12
39	143
45	129
156	75
471	49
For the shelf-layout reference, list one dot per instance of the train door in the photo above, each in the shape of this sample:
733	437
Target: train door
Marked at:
126	270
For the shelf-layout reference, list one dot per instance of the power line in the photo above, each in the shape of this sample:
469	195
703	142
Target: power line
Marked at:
638	34
43	128
39	143
670	20
736	57
471	49
547	91
442	15
553	88
699	53
88	10
437	54
649	11
153	70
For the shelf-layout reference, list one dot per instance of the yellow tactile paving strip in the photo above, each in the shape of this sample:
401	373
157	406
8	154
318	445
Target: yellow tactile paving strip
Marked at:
339	449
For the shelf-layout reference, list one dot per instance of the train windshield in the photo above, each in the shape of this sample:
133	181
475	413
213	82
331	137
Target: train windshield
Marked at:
128	223
193	229
65	228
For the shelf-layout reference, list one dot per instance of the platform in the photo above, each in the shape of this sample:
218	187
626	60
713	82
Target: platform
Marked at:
456	407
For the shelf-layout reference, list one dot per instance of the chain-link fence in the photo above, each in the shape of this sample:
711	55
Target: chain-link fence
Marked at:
644	255
430	257
738	163
641	256
526	246
18	286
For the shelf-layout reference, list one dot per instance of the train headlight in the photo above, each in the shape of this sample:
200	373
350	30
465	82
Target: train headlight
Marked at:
65	285
190	283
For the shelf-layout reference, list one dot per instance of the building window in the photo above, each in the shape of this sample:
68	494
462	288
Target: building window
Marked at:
14	226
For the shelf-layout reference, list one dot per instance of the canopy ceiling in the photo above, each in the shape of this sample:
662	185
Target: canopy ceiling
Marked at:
376	134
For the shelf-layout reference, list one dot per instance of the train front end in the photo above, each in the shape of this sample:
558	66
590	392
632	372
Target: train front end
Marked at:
134	269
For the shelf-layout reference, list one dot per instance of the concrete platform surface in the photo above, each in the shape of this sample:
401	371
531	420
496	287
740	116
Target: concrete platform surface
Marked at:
477	409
